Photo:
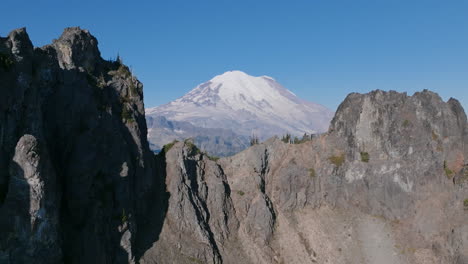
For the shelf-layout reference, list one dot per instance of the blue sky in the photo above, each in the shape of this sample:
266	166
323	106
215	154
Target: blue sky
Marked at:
320	50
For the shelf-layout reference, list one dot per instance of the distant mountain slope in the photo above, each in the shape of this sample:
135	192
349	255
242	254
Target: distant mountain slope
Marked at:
216	141
246	105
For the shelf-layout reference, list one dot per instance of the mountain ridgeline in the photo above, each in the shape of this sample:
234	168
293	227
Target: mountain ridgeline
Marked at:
387	183
221	115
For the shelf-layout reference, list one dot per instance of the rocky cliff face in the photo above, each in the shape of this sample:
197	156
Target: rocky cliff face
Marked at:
74	159
386	184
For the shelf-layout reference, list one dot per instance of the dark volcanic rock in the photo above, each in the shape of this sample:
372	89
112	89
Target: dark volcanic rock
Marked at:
74	157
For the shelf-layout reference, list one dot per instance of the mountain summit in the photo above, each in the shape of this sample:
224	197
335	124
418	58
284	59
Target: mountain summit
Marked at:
246	105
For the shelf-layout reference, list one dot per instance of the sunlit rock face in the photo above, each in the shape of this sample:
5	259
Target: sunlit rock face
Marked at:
386	184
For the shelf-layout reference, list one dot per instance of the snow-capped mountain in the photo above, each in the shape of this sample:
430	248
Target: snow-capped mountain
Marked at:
246	105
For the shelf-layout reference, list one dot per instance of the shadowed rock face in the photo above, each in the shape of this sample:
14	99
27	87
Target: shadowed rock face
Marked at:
78	183
74	158
386	184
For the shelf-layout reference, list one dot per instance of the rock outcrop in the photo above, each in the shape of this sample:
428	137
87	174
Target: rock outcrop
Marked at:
386	184
75	166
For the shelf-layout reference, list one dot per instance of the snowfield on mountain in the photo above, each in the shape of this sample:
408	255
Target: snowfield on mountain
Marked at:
244	104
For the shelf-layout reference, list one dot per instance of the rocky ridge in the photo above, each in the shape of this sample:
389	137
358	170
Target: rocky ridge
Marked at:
74	158
386	184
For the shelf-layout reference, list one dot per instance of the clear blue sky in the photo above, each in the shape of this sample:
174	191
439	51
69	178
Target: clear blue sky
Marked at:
321	50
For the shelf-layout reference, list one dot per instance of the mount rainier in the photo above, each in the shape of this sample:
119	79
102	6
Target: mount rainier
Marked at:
236	105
